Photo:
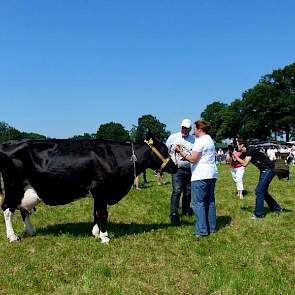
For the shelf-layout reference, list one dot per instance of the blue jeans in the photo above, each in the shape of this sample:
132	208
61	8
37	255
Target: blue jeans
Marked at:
181	183
262	194
203	204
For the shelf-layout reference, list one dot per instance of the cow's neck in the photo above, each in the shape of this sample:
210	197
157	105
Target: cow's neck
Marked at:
145	159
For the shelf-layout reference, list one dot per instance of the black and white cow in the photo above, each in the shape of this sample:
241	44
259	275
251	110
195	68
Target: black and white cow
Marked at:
58	172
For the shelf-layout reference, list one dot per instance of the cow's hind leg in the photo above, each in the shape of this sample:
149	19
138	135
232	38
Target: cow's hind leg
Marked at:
8	212
28	227
100	214
11	236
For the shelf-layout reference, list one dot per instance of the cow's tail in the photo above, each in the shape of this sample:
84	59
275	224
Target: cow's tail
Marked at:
1	190
3	165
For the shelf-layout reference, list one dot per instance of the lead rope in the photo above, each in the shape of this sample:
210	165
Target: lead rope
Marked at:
133	159
183	149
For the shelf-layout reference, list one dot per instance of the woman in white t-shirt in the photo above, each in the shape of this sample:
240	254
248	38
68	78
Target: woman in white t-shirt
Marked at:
204	175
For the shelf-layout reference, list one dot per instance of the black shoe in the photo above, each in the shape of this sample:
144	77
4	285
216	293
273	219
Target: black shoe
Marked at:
189	212
278	212
174	217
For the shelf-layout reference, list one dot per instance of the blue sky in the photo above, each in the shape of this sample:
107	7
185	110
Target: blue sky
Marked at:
66	67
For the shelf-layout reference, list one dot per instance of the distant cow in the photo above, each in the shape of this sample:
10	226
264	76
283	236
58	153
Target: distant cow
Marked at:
58	172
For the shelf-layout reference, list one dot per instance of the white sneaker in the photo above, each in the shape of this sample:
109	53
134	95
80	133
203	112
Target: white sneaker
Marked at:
256	217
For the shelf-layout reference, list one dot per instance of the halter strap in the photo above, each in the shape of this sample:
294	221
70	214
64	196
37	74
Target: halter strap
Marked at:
164	161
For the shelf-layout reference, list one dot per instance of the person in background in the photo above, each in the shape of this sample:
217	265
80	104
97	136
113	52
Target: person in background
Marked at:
220	156
181	180
265	165
204	175
237	169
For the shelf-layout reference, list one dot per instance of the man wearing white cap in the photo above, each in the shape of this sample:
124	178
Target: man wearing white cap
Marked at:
181	180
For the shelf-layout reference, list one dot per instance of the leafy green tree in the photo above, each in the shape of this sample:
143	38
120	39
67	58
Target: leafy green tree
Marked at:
149	123
266	109
232	121
32	135
213	113
113	131
282	108
259	113
84	136
7	132
287	118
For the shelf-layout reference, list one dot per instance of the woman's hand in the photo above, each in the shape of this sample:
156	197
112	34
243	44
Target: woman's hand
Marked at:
178	148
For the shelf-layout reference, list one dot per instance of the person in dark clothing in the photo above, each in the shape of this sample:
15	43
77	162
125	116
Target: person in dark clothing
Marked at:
265	166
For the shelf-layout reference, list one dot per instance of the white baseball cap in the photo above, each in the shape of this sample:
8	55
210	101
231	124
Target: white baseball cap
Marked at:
186	123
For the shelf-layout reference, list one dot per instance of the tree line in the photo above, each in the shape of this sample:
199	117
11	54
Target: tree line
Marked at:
264	112
8	132
117	132
109	131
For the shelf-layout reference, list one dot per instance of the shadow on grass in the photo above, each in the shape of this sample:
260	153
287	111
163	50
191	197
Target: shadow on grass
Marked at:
222	221
247	208
85	228
153	184
245	193
117	229
251	209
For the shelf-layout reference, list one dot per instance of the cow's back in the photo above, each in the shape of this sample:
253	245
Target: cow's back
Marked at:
64	170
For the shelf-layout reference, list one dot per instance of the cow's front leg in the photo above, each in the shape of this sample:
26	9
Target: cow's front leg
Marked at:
28	227
11	236
100	214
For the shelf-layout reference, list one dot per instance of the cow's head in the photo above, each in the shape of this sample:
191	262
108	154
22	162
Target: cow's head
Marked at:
161	158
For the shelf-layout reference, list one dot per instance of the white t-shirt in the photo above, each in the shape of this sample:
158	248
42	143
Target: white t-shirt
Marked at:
205	168
187	142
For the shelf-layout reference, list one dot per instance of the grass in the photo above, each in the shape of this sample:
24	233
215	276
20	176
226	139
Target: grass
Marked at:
147	255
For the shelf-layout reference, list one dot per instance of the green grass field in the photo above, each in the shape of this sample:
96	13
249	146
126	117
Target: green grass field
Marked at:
147	255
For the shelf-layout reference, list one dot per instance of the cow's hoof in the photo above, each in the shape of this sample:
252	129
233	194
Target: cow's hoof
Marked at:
105	240
29	233
95	231
104	237
13	239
